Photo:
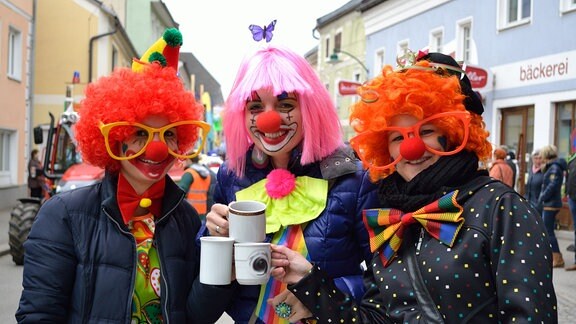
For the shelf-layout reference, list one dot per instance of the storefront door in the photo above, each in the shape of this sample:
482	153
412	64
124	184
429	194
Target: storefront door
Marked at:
517	133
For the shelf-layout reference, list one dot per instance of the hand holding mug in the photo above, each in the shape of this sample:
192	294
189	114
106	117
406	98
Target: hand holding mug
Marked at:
217	221
288	266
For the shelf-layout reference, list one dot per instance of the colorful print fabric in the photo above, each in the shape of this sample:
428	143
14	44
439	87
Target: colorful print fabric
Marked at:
498	271
146	298
386	227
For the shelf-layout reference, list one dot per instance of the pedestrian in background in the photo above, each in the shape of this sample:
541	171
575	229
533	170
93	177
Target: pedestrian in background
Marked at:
551	196
513	163
571	193
535	179
35	177
500	169
198	182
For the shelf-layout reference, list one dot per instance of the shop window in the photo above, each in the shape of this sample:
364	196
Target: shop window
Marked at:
565	123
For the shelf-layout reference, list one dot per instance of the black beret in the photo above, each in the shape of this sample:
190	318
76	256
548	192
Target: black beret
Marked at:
472	102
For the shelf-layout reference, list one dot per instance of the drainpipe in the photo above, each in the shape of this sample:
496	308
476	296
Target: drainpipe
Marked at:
92	40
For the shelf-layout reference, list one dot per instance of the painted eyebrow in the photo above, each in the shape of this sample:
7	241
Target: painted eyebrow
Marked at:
285	95
253	97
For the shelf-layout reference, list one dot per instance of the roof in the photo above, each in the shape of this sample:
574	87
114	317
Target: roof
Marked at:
338	13
368	4
202	76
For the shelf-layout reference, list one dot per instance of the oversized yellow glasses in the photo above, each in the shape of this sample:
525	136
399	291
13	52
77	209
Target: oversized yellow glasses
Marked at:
184	139
451	127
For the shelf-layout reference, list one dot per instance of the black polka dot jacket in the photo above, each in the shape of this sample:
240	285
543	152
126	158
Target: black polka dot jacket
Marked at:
498	271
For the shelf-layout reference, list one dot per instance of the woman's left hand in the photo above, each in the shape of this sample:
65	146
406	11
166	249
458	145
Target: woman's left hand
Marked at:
298	310
288	266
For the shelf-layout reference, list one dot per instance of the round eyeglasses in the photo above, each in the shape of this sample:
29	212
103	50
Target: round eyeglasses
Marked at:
184	139
426	132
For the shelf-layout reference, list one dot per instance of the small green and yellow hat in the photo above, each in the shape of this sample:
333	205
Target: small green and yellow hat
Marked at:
164	51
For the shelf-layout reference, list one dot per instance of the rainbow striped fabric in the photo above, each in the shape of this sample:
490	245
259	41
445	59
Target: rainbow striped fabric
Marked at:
386	226
292	237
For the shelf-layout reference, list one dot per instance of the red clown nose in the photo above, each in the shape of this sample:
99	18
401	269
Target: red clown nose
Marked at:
156	151
269	122
412	148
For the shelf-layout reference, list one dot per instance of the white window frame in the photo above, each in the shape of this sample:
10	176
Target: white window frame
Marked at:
401	48
14	54
338	32
8	157
464	40
503	13
114	58
567	6
436	40
379	60
328	49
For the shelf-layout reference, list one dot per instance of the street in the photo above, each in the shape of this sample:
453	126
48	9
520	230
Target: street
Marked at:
564	283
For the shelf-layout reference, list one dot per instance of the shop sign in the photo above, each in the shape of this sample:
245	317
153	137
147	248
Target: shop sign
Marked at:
478	77
346	88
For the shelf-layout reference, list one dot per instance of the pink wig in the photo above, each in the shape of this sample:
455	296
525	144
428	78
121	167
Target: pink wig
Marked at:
279	69
132	96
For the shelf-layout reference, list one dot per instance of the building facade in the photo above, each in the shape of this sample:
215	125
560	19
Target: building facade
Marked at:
340	58
519	54
16	77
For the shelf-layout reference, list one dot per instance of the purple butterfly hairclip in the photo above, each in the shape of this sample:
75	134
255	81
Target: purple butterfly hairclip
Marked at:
260	33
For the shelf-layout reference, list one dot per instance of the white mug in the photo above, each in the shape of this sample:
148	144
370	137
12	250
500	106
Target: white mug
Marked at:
216	260
252	262
247	221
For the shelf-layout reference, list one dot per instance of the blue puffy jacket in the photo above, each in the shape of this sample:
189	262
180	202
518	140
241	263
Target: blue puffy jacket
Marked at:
337	240
80	261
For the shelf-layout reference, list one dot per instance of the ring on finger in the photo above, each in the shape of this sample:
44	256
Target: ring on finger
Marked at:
218	229
283	310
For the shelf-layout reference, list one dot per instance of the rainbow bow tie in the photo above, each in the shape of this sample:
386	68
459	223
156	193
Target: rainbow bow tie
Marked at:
386	227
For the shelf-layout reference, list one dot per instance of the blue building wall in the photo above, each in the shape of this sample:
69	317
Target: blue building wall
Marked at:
547	41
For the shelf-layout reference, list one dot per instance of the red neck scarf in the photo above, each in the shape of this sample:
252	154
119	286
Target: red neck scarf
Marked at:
129	200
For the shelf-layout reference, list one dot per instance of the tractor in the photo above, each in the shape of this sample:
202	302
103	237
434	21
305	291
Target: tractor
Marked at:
63	170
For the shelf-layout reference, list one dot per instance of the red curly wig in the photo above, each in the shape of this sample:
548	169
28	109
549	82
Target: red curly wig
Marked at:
132	96
419	91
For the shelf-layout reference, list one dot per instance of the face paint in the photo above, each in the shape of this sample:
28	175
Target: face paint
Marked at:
274	122
153	165
283	95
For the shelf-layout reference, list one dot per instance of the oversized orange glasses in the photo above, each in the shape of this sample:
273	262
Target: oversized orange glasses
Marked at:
185	139
428	131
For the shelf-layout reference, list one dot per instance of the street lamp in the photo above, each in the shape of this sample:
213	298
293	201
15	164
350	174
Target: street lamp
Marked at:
334	59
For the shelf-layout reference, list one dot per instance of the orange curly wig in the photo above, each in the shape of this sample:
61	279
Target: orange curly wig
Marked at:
418	91
132	96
